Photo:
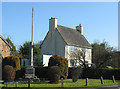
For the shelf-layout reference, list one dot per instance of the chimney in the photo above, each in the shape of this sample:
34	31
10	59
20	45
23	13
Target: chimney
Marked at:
80	28
52	23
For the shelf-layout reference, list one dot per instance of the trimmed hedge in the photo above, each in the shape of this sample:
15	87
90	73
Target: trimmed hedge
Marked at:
8	73
43	72
13	61
54	74
105	73
97	73
76	73
60	61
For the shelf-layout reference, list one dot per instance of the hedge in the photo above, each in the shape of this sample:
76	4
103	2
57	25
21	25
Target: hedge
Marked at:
42	72
8	73
105	73
54	74
97	73
13	61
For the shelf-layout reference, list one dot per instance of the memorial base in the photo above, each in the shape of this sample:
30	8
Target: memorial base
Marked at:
30	72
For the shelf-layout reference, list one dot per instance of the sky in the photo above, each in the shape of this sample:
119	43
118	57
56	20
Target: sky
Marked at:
99	20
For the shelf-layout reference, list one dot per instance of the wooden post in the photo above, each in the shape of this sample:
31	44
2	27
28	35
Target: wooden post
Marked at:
86	81
29	83
113	78
61	82
101	78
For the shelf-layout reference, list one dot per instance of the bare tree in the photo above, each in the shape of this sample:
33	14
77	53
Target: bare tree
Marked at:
77	57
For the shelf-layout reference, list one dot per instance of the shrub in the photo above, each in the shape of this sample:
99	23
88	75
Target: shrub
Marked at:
8	73
42	72
14	61
54	74
76	73
61	62
97	73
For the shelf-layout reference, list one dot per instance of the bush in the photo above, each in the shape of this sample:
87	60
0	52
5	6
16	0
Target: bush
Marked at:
97	73
20	73
42	72
76	73
14	61
8	73
61	62
54	74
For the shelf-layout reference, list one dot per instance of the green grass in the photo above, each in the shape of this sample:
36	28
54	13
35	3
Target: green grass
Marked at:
67	83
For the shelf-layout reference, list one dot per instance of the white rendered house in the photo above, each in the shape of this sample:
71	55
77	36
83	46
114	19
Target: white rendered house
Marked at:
60	39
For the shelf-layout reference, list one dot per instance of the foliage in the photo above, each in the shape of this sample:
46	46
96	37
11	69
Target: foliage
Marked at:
103	55
8	73
42	72
61	62
13	48
77	56
54	74
25	51
76	73
14	61
104	72
20	73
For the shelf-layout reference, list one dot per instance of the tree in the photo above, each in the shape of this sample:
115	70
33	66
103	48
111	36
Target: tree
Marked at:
102	53
25	50
77	57
13	48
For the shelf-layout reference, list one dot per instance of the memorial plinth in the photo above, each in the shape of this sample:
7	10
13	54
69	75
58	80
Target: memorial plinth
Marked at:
30	72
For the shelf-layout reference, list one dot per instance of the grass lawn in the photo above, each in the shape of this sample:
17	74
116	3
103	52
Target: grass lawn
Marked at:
67	84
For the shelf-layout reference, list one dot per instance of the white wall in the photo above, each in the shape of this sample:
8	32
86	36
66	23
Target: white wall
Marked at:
59	44
53	43
46	60
88	55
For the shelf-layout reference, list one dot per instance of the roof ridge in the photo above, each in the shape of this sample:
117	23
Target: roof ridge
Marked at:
67	27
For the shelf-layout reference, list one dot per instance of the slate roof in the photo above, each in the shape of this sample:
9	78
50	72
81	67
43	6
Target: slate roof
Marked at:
5	41
73	37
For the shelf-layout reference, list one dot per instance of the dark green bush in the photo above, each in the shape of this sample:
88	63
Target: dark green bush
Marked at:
42	72
8	73
14	61
97	73
20	73
76	73
61	62
54	74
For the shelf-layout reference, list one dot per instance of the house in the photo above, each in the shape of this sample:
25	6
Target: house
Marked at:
60	40
4	47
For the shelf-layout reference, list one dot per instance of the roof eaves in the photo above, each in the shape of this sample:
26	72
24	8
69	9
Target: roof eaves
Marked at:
79	46
44	39
5	41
